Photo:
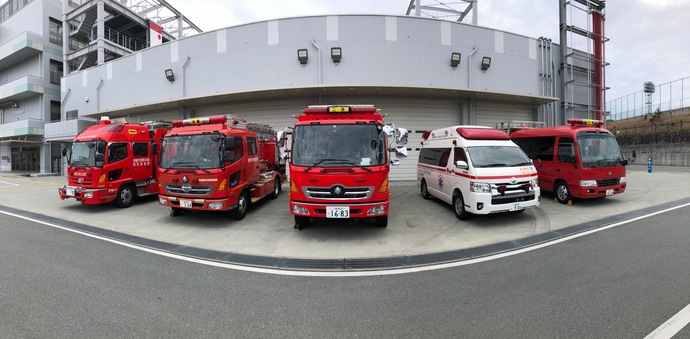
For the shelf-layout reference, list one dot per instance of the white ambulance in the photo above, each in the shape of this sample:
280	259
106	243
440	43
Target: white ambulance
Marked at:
477	169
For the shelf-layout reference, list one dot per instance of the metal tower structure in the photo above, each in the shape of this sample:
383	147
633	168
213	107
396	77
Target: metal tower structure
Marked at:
444	9
162	13
583	60
649	89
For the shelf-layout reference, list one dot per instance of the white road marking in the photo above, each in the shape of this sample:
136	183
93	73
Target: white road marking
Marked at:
391	271
8	184
668	329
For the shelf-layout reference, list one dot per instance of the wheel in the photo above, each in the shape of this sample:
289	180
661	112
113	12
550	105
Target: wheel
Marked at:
562	192
175	212
425	190
382	221
239	212
276	188
459	207
125	196
301	222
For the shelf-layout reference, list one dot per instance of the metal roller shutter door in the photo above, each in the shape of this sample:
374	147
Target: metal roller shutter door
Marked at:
490	113
417	116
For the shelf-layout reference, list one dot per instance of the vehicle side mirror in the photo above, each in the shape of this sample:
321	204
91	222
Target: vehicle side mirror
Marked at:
389	130
64	152
154	149
401	136
401	151
281	138
100	157
100	146
462	164
634	156
537	166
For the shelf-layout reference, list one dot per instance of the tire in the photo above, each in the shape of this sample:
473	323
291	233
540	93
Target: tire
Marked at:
276	188
239	212
301	222
175	212
382	221
425	190
562	192
125	196
459	207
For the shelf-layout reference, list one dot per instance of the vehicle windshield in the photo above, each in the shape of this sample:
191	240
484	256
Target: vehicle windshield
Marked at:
498	156
83	154
199	151
338	145
599	149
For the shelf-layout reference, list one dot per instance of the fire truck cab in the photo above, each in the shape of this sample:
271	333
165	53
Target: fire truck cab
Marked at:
580	160
218	164
113	162
339	163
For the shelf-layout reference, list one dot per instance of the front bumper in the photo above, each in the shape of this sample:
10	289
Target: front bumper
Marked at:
199	204
355	210
88	196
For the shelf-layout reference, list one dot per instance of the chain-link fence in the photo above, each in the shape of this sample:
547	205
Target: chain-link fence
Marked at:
666	97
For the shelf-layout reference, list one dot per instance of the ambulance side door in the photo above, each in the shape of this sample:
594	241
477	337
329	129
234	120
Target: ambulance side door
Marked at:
446	175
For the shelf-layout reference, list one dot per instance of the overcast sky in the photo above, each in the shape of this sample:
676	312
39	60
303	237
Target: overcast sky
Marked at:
649	39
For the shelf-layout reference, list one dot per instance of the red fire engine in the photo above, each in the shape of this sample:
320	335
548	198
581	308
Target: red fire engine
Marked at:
582	160
339	164
217	164
114	162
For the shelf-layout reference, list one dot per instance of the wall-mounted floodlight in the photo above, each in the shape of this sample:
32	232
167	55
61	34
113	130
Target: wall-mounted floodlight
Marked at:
302	56
486	63
169	75
336	54
455	59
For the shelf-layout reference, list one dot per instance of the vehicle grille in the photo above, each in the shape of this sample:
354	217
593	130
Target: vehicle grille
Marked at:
349	193
510	199
194	191
607	182
517	188
84	182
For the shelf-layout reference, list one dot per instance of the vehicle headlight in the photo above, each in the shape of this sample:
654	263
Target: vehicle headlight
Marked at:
162	201
622	181
215	205
299	210
535	183
480	187
588	183
377	210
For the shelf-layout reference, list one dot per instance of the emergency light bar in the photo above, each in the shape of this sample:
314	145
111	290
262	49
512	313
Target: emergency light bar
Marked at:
200	121
585	122
366	109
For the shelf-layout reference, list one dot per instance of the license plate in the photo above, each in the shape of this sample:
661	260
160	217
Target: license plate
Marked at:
186	203
516	207
609	192
337	211
69	191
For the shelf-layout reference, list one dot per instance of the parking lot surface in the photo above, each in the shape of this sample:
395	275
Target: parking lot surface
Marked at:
420	231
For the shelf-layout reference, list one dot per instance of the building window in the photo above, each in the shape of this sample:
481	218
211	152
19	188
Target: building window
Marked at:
56	31
71	115
54	111
55	72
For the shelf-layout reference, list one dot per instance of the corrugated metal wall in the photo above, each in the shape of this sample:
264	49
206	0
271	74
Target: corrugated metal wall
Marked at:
491	113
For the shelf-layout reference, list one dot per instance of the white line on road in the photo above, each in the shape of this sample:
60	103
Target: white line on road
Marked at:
8	183
668	329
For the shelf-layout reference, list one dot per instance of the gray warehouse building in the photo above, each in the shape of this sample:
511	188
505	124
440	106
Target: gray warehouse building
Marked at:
424	73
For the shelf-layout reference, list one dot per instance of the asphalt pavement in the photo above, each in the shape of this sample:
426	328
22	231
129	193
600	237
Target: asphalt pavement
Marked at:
420	232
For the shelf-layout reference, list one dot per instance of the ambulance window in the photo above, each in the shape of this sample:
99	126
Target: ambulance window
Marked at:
141	149
444	157
566	151
459	155
251	146
117	152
